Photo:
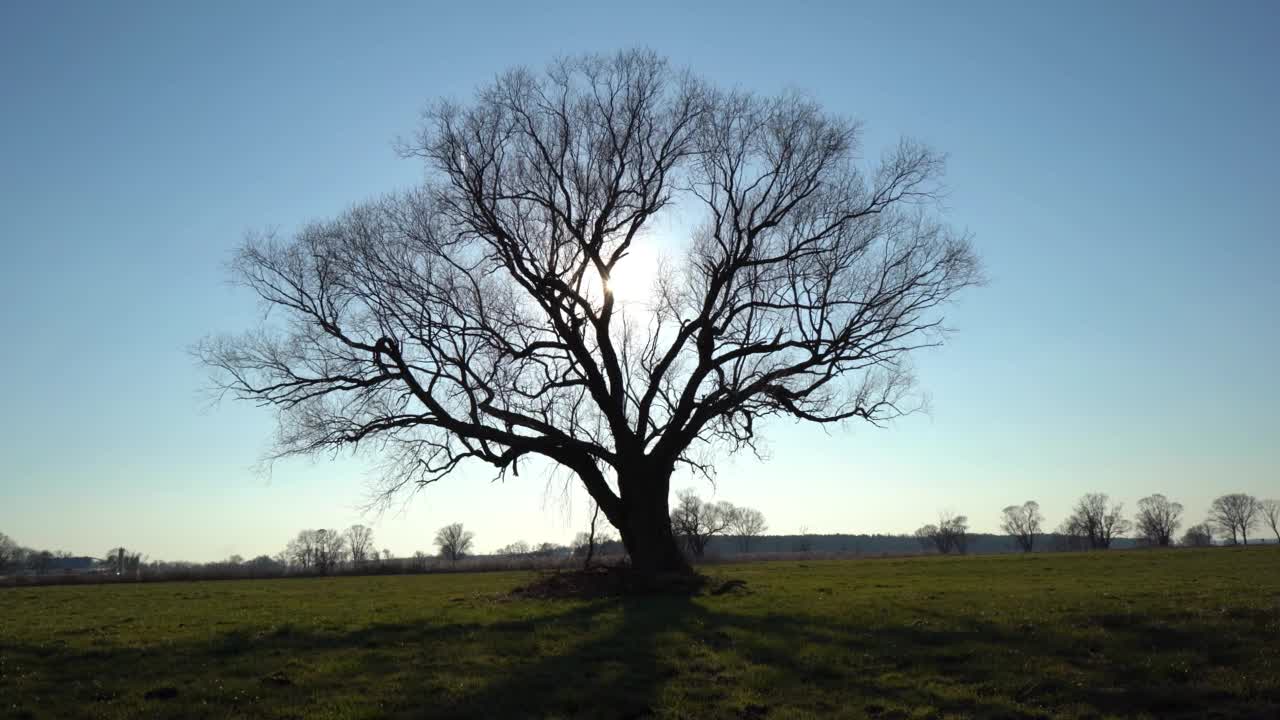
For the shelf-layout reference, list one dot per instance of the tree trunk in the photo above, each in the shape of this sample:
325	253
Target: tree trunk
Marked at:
591	539
645	525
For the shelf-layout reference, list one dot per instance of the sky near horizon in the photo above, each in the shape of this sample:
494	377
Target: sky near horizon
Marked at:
1116	163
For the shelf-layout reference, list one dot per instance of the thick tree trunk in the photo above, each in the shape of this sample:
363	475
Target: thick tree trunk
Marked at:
645	525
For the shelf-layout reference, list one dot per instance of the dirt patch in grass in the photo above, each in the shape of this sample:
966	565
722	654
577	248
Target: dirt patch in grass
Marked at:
729	587
161	693
278	679
616	581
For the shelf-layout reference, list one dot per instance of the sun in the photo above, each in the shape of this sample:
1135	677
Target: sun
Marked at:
632	278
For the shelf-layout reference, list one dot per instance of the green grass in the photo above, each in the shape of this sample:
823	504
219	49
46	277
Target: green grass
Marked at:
1187	633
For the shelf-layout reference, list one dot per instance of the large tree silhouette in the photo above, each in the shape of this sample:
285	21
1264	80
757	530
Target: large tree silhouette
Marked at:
473	318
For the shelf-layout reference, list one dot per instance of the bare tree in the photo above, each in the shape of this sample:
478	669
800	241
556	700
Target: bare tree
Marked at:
360	544
420	560
746	524
20	558
1158	519
1270	510
518	548
584	545
454	542
301	550
9	552
548	549
804	541
587	544
696	522
39	561
265	565
1235	514
1198	536
1022	522
956	529
330	550
927	536
1072	534
950	534
316	550
475	317
121	561
1096	519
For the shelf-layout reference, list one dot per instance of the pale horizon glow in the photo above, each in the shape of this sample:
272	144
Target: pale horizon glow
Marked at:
1119	190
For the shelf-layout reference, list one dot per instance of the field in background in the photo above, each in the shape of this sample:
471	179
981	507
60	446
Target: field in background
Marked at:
1181	633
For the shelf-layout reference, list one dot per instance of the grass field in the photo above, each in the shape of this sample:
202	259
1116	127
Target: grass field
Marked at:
1186	633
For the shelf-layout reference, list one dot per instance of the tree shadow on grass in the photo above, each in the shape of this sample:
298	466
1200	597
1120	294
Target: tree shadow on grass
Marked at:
653	656
589	660
983	669
614	667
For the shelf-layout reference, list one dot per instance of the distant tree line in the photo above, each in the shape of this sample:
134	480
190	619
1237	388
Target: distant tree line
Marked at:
1095	522
16	559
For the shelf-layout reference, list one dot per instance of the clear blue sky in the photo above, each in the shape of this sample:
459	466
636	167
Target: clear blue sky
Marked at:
1116	161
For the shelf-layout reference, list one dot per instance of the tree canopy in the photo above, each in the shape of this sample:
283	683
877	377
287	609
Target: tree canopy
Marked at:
473	318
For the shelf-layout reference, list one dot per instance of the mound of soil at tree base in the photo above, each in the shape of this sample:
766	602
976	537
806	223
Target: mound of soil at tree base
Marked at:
614	581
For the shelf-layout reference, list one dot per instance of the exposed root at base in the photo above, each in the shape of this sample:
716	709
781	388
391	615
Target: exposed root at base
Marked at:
730	586
618	581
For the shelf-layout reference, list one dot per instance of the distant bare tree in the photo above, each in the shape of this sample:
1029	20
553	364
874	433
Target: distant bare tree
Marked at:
1198	536
120	561
549	549
1270	510
20	558
39	561
1236	514
301	550
360	544
1022	522
696	522
9	551
474	318
330	550
927	536
585	544
746	524
420	560
1158	519
1097	520
950	534
316	550
265	565
804	542
518	548
454	542
1072	534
